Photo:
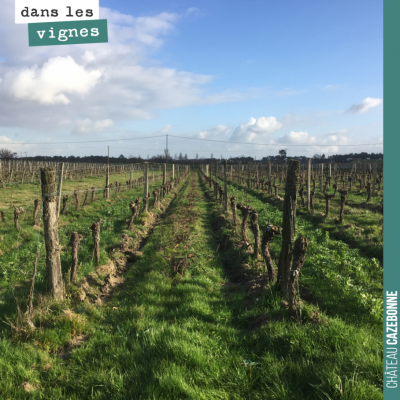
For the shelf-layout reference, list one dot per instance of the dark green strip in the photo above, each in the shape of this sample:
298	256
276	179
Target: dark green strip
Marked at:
391	281
68	32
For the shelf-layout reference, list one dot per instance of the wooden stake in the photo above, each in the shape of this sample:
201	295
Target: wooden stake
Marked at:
288	225
308	182
55	284
146	185
59	190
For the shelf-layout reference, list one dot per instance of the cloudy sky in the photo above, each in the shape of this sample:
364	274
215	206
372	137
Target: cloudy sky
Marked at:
256	76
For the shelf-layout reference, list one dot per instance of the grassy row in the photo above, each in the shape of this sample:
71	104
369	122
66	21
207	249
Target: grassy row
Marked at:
341	314
20	247
362	228
170	337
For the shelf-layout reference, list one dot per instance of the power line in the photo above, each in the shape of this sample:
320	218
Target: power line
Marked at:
87	141
192	138
278	144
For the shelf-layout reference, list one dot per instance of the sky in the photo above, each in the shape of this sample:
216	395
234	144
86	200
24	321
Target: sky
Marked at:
254	76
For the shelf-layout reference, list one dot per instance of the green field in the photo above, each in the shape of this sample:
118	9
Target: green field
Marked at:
185	312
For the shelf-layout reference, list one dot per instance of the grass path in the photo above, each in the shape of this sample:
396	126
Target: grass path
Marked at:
179	329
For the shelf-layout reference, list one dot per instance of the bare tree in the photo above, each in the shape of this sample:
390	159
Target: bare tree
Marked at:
7	153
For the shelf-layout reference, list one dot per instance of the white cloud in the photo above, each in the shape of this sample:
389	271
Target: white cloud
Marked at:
165	129
88	126
364	106
49	84
115	80
219	131
327	143
296	138
255	128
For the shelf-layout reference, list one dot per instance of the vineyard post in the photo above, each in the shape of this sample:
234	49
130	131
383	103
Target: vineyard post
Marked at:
146	184
60	178
108	183
321	189
108	174
164	179
225	188
131	178
288	225
374	176
248	173
55	283
269	172
308	182
173	171
364	172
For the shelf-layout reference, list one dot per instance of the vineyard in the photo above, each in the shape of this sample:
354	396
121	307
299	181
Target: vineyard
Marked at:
162	281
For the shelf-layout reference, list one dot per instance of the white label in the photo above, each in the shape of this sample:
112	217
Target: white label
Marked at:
31	11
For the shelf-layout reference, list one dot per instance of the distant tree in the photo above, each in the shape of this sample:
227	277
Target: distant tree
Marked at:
186	157
282	153
7	153
197	156
121	157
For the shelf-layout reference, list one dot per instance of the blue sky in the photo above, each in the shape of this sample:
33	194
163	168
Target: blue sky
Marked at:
282	73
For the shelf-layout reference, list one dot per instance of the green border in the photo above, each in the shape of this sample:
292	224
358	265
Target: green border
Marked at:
391	128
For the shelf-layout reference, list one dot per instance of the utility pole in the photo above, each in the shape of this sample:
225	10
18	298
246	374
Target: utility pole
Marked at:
108	174
166	154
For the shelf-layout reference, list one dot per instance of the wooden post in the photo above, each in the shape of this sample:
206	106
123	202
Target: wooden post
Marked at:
108	174
374	176
308	182
321	189
75	241
55	284
146	185
173	171
225	188
269	172
95	227
164	174
108	183
59	190
288	225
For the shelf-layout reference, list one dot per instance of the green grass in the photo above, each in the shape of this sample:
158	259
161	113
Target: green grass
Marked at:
23	195
189	338
362	227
